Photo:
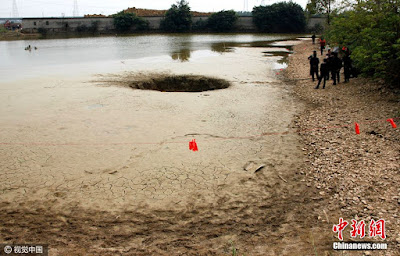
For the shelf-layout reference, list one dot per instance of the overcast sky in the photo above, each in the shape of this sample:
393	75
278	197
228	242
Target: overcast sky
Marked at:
39	8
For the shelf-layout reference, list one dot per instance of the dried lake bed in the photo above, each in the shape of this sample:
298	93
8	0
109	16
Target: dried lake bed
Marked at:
71	141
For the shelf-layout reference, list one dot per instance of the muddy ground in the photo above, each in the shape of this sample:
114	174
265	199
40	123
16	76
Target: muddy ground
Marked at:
121	196
104	169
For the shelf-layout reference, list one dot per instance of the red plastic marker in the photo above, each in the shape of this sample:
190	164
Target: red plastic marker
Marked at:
392	122
357	128
193	145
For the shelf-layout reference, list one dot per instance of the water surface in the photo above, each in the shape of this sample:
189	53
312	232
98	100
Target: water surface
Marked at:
102	54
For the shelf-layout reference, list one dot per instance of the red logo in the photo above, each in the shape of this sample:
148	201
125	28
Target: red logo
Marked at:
376	228
357	229
340	227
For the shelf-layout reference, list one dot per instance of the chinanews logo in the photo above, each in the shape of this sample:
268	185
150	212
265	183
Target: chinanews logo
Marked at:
376	229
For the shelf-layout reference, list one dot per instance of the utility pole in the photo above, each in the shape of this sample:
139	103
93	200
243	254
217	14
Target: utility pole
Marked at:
76	10
15	9
246	5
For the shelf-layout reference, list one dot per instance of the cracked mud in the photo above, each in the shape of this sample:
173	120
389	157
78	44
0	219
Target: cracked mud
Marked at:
96	169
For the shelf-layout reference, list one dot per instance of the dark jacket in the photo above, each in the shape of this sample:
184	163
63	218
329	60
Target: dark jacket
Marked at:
324	69
347	62
314	62
336	63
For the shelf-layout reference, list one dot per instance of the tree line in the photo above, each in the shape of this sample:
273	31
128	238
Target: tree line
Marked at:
283	17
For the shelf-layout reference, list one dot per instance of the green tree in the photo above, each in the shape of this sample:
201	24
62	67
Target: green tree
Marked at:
178	18
283	17
124	22
320	7
371	30
222	21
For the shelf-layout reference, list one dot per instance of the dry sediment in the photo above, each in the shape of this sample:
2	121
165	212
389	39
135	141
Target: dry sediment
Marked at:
356	176
71	178
287	208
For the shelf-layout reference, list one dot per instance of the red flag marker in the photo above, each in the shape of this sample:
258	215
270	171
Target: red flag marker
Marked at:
392	122
357	128
193	145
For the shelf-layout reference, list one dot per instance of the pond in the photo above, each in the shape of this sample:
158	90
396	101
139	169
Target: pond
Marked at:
105	54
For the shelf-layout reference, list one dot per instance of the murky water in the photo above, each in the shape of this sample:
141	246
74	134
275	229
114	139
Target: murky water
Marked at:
103	54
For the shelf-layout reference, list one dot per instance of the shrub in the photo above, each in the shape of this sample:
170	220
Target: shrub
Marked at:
222	21
124	22
371	31
283	17
178	18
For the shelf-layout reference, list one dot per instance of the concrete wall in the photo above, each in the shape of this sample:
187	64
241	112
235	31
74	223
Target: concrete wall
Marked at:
245	23
312	22
31	25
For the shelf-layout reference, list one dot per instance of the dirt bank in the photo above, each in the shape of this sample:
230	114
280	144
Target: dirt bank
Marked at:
356	176
6	35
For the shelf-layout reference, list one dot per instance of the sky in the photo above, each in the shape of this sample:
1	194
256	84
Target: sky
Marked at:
57	8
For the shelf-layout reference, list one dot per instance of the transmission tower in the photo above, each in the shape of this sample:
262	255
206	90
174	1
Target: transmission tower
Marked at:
76	10
15	9
246	5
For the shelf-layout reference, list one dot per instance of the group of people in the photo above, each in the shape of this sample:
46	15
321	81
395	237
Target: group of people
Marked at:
29	48
331	66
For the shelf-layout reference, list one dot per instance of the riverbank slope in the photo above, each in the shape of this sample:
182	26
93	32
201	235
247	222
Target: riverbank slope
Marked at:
355	176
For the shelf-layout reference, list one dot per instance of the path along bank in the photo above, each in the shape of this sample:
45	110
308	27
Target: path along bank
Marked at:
354	176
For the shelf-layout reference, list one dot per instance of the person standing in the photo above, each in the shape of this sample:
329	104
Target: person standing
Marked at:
329	64
313	38
347	68
322	43
324	73
336	66
314	63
